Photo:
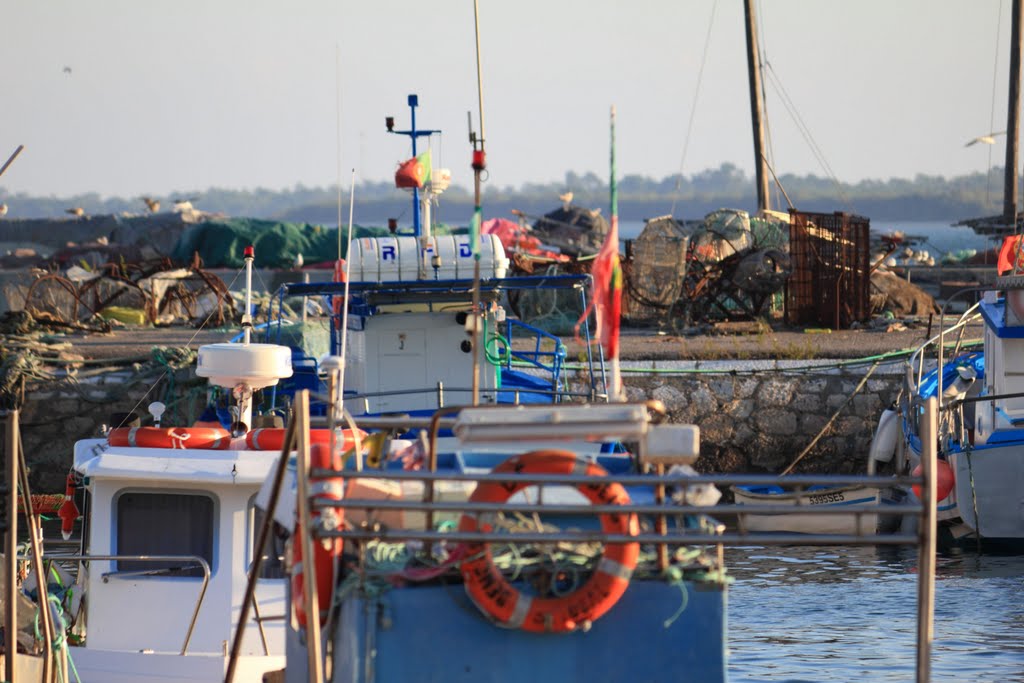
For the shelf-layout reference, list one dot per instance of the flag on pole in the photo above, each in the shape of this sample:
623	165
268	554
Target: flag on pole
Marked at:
427	164
606	276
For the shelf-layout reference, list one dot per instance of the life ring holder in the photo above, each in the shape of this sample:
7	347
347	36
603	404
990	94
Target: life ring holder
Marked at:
202	438
325	551
495	596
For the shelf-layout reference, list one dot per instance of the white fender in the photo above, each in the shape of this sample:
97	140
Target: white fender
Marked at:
883	445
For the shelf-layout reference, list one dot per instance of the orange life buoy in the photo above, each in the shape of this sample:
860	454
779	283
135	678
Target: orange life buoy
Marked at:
272	438
205	438
325	551
493	593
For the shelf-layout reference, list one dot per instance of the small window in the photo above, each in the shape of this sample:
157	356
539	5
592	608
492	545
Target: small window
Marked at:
165	524
273	566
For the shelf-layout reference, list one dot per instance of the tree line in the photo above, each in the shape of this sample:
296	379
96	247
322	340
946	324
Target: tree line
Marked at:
924	197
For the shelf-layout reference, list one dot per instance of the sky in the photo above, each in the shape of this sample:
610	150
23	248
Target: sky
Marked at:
123	98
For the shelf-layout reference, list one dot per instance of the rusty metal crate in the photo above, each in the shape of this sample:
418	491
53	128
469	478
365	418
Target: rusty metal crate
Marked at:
831	276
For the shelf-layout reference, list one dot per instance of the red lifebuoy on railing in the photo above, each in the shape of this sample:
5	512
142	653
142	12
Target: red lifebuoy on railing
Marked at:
505	605
325	551
272	438
205	438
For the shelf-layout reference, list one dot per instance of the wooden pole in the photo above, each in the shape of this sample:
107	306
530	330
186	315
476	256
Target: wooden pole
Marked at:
754	77
926	543
11	547
1013	119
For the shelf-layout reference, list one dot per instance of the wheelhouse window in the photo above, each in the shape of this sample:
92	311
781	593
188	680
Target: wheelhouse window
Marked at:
165	524
272	566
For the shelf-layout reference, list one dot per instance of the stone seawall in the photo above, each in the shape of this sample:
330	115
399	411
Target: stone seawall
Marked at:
755	416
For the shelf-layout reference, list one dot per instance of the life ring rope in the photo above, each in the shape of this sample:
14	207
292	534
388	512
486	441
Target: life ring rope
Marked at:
506	606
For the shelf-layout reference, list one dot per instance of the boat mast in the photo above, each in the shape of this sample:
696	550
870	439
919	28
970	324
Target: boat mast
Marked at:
1013	120
754	76
413	134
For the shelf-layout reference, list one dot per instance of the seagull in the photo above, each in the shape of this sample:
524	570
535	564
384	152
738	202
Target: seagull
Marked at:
153	204
67	69
989	139
3	209
299	260
566	200
76	211
182	205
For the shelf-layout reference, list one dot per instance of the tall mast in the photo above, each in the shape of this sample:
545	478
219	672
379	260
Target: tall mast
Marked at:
1013	120
754	76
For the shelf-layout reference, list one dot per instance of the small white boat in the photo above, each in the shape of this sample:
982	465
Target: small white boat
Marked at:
815	498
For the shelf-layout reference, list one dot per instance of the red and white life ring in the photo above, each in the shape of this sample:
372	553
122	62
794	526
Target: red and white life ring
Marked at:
505	605
272	438
204	438
325	551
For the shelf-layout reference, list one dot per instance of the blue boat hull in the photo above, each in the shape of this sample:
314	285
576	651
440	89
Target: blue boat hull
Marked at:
434	633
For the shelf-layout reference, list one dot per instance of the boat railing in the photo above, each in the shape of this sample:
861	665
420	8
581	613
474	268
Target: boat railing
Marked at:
135	574
668	510
443	394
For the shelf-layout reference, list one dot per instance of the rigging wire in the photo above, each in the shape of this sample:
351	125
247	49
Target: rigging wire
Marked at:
805	132
992	108
766	119
693	109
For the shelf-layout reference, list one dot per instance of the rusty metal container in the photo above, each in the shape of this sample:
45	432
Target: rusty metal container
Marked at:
830	281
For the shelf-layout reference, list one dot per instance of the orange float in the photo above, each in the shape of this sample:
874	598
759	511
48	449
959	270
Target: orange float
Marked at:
325	551
505	605
272	438
205	438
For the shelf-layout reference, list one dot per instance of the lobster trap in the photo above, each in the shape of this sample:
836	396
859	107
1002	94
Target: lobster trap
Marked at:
831	272
682	274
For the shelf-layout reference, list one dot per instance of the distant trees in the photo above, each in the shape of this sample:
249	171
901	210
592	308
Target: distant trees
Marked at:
727	185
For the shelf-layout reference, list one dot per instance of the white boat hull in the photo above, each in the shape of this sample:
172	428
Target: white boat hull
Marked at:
811	523
112	666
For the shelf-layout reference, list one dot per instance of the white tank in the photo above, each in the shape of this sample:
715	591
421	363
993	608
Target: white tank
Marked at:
255	365
407	259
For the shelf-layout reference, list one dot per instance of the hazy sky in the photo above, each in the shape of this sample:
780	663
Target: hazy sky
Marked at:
170	96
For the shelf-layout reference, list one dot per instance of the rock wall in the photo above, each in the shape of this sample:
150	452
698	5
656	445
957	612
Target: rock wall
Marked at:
55	416
755	416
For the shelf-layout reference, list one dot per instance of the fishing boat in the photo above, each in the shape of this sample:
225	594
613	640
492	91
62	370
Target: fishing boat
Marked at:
167	531
972	369
811	497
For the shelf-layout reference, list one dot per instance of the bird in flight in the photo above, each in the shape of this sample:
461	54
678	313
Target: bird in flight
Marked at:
152	204
76	211
67	69
989	139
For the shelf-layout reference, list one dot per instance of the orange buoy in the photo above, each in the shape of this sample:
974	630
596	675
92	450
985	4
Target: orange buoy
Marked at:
325	551
205	438
505	605
944	480
272	438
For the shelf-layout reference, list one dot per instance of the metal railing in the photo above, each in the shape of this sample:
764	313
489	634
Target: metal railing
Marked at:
186	559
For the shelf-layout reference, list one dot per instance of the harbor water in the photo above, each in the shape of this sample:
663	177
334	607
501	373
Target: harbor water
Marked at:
820	614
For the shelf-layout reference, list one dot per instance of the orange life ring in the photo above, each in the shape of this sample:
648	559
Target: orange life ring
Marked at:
325	551
205	438
272	438
493	593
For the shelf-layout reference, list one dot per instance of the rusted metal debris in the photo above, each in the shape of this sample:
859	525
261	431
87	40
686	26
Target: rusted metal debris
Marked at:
160	291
